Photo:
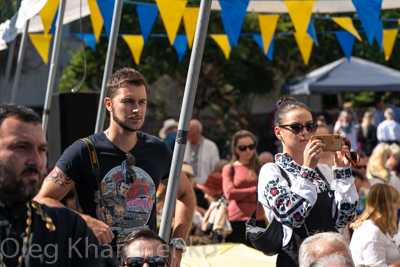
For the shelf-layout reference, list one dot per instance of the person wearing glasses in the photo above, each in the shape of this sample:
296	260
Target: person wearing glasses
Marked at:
239	183
118	184
306	197
145	246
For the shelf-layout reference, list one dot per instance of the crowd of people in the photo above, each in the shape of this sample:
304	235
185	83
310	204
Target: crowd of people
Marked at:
333	210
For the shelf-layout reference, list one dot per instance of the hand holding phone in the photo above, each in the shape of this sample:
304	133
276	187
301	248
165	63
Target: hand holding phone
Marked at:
333	142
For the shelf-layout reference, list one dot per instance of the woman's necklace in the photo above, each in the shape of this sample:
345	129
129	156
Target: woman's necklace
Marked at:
25	241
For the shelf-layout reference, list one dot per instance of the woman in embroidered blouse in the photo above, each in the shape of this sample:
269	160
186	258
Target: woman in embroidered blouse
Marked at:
372	241
240	187
319	199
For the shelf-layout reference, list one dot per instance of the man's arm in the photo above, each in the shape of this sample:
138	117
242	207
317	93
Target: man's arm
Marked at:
56	185
184	209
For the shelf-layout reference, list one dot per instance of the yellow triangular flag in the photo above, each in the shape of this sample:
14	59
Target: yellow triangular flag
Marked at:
399	21
135	43
190	17
223	42
347	24
389	38
267	28
42	44
171	12
305	46
47	14
300	14
96	18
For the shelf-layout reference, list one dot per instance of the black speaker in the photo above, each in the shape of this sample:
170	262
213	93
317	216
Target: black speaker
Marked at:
72	116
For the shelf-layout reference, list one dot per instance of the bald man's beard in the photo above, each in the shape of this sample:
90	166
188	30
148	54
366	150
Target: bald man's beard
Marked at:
14	189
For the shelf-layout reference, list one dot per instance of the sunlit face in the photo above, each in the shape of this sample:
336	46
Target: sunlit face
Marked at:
23	158
146	249
245	142
128	107
291	141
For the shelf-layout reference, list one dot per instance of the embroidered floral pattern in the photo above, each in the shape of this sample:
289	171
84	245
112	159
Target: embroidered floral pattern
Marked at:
293	209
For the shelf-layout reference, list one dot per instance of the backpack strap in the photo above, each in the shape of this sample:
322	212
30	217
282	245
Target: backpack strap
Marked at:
94	161
284	175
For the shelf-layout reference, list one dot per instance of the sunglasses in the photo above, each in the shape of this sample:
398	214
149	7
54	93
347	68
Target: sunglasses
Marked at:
126	170
351	156
250	147
297	128
138	262
361	167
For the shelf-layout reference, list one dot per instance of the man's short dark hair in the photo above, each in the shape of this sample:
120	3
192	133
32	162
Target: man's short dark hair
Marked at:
125	75
141	234
19	112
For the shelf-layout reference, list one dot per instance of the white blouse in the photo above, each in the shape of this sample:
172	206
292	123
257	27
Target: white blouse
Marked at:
292	205
370	246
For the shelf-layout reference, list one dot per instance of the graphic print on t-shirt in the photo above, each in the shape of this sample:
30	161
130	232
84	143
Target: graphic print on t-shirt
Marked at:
127	205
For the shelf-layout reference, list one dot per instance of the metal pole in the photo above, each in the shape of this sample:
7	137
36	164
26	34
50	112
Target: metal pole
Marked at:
112	44
11	49
20	59
184	120
53	65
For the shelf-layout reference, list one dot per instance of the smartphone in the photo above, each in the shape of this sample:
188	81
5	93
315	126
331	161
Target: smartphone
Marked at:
333	142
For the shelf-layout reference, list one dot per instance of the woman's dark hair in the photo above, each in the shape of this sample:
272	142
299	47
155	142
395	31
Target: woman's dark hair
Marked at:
286	104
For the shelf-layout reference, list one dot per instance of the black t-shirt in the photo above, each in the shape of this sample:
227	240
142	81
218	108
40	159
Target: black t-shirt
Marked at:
127	206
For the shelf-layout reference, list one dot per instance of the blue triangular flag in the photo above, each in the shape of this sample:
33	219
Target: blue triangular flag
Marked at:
89	38
107	11
270	53
379	34
181	45
147	15
54	23
232	14
259	41
346	41
311	31
368	11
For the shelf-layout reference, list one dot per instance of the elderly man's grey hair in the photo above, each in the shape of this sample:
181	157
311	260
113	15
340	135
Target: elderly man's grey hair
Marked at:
333	261
321	245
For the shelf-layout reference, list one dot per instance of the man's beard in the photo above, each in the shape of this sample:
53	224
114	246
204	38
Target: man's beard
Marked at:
121	123
13	188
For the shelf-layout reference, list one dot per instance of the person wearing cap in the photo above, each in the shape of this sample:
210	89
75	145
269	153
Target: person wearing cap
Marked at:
168	132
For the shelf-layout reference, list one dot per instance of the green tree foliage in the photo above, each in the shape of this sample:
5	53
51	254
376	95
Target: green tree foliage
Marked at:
226	86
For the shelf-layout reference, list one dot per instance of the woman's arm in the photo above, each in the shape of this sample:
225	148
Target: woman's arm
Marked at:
290	205
346	196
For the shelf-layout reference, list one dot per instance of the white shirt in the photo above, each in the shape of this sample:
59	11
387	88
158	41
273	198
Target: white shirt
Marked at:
351	133
370	246
388	130
206	159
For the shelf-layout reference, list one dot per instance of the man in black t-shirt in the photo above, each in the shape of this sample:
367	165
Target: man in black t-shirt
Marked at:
131	162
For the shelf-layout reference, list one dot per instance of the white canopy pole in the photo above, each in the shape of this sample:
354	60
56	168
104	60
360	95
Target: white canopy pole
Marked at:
20	59
184	120
112	44
53	65
4	85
